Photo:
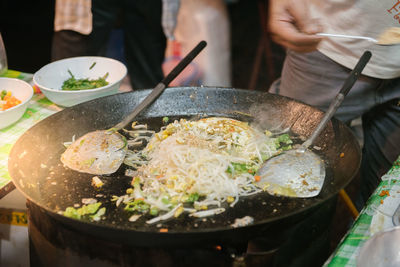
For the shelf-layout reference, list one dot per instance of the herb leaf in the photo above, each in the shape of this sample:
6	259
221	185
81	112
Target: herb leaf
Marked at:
73	84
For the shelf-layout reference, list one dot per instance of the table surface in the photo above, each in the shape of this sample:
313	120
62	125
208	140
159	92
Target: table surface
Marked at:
39	108
376	215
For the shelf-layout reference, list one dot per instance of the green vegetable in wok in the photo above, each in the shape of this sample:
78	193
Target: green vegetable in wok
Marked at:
283	142
73	84
92	212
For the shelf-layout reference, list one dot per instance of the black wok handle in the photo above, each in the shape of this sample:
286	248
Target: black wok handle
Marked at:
162	85
355	73
348	84
183	63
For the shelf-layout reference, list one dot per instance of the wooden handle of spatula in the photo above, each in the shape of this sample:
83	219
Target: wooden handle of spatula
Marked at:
349	204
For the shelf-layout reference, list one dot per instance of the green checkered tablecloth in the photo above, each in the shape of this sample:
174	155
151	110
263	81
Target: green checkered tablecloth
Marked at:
39	108
376	216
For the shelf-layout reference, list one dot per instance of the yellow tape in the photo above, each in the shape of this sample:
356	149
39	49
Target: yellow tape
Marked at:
8	216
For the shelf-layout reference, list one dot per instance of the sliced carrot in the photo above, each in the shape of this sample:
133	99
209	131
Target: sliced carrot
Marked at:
11	101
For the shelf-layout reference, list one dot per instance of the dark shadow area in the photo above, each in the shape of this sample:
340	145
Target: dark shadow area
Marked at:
248	26
27	29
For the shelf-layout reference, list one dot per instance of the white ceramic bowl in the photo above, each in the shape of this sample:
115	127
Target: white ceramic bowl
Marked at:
50	78
22	91
381	250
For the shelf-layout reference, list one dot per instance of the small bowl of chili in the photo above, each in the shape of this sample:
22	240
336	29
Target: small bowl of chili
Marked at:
15	95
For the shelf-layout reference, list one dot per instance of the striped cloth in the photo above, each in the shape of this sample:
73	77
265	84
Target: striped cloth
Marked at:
376	216
74	15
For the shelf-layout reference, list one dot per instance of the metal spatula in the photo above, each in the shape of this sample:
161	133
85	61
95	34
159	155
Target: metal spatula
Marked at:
389	37
103	151
300	172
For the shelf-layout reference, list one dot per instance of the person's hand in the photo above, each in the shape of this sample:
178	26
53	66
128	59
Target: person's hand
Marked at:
291	26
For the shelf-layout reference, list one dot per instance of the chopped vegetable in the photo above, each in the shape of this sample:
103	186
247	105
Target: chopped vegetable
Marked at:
3	94
137	205
96	182
73	84
384	193
7	100
90	212
89	200
134	217
154	211
284	138
193	197
178	212
283	142
240	222
206	213
239	168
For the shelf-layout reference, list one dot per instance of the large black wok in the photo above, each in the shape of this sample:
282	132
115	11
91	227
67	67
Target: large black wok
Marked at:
36	170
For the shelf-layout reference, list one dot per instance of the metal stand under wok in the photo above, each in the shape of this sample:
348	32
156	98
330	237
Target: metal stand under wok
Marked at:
55	244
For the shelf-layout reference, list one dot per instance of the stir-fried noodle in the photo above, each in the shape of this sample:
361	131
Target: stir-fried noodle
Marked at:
195	166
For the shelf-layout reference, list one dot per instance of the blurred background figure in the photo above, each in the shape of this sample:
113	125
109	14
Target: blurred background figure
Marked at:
150	37
314	69
202	20
143	37
3	57
72	26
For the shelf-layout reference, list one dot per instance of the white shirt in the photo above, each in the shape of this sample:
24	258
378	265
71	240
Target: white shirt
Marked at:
360	17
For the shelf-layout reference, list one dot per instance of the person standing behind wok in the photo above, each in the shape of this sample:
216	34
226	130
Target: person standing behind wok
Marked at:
72	26
314	70
146	25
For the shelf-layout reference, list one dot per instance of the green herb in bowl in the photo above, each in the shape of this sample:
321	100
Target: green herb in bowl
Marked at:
73	84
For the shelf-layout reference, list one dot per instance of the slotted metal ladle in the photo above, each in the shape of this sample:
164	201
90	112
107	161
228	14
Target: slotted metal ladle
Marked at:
103	151
300	172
